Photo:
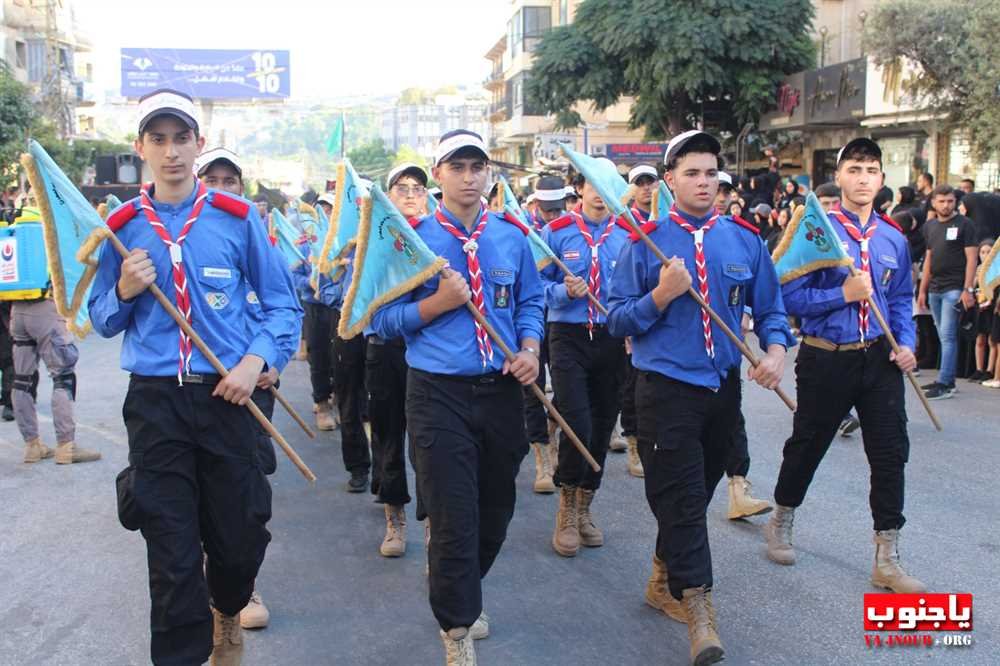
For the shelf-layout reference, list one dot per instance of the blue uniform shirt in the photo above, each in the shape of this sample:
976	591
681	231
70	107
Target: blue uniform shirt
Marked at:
818	297
226	258
512	294
672	342
565	239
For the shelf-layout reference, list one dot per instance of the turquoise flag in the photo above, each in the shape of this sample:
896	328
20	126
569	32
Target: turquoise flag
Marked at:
432	204
603	177
73	231
540	252
809	243
288	237
314	226
989	272
344	220
390	260
335	142
663	200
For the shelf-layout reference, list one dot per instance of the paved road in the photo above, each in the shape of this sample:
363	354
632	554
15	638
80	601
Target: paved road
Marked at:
74	585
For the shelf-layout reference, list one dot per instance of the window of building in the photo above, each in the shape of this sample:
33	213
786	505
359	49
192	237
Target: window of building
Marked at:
537	21
21	55
516	33
962	165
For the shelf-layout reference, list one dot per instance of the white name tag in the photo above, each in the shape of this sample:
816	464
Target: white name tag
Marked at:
951	233
218	273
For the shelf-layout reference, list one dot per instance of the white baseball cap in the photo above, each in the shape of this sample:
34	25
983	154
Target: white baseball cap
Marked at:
454	141
683	138
409	169
329	198
725	178
209	157
642	170
170	102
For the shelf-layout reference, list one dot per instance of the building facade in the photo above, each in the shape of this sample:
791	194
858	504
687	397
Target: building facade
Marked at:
521	134
45	48
419	126
848	95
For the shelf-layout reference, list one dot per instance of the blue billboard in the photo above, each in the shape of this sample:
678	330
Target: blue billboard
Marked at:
207	73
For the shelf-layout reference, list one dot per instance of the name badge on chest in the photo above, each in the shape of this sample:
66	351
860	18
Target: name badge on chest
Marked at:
951	233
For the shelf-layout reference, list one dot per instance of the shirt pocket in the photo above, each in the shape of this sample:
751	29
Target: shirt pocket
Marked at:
499	283
885	267
219	284
736	278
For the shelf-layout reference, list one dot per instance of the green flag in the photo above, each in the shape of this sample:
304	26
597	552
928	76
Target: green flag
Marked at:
335	143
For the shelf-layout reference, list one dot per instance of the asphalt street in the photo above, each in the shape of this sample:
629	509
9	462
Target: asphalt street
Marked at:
74	587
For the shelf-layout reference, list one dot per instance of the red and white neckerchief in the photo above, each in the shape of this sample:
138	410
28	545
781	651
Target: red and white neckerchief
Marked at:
594	280
181	295
469	246
639	215
862	239
700	268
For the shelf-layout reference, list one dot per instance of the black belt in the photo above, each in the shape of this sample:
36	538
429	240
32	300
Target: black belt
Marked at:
209	379
488	379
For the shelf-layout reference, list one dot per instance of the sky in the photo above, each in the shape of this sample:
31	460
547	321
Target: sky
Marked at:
370	47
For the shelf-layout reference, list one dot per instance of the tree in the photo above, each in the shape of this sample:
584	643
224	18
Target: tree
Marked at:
683	62
408	154
17	116
955	44
371	159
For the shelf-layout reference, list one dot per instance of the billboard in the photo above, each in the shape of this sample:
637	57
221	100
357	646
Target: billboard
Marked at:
221	74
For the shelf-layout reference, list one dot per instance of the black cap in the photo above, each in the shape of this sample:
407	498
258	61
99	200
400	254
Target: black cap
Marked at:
862	142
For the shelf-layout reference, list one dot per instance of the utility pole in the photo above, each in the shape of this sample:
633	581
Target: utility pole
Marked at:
54	102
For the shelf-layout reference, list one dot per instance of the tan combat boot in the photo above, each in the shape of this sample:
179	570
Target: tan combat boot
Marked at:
68	453
658	592
590	535
394	543
778	532
35	451
706	648
324	416
458	647
227	640
887	572
543	469
634	461
553	445
255	614
480	629
741	503
566	539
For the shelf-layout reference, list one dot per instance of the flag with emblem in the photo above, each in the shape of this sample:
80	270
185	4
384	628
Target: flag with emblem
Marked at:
540	251
390	260
288	237
344	220
989	272
662	201
603	176
72	229
809	243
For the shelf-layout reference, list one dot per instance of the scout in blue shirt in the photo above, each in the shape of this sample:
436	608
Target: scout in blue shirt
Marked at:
645	179
550	193
464	408
586	361
193	448
845	361
688	391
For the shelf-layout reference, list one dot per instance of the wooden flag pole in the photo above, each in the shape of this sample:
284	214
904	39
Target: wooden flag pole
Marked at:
895	348
221	369
539	393
742	346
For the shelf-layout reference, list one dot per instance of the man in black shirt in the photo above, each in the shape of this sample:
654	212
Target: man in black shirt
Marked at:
948	276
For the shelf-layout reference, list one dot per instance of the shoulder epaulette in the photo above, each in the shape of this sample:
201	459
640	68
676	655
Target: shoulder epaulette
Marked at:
516	222
561	222
625	224
749	226
232	204
647	228
121	215
891	222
